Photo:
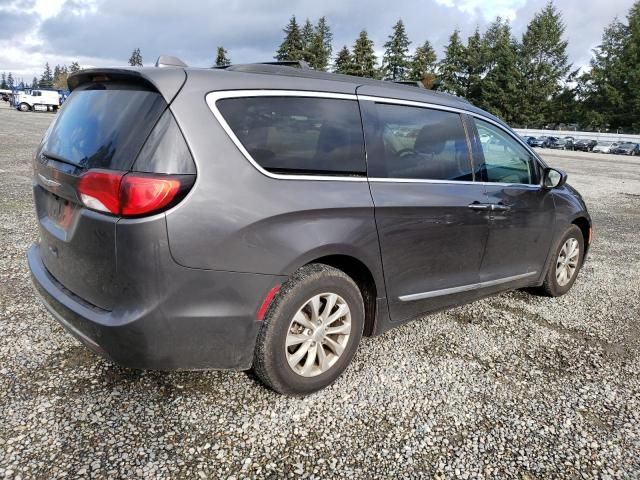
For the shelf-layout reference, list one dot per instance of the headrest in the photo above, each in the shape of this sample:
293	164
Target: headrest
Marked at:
431	139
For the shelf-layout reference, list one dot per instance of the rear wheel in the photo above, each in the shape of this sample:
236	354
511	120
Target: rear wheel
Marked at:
566	263
310	332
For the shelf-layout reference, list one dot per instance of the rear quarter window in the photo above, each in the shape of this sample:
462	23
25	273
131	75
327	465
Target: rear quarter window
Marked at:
103	126
297	135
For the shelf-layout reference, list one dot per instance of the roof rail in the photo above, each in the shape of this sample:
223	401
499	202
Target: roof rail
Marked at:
410	83
290	63
301	64
169	61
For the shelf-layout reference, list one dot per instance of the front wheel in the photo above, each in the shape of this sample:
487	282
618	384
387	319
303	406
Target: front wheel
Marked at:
310	332
24	107
566	263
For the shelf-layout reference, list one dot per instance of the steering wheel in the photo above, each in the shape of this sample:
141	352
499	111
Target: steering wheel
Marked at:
405	151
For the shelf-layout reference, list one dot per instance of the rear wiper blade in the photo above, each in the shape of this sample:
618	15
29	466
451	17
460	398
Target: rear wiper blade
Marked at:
58	158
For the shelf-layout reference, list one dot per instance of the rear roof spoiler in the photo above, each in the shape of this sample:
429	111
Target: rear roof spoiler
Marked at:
167	81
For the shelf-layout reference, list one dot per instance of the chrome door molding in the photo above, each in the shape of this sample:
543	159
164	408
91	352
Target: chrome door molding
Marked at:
464	288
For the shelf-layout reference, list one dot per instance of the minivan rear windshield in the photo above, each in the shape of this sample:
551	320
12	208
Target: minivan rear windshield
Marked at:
103	126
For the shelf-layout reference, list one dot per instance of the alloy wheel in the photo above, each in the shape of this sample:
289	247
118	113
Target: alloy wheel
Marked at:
318	334
567	262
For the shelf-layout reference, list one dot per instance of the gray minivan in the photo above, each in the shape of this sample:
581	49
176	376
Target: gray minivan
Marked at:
265	217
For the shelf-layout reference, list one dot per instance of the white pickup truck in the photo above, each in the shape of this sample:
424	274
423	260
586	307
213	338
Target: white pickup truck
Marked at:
37	101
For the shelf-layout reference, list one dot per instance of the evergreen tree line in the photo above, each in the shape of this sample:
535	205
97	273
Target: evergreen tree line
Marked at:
527	81
56	78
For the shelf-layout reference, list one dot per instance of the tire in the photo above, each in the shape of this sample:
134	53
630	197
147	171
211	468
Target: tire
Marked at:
555	285
24	107
273	359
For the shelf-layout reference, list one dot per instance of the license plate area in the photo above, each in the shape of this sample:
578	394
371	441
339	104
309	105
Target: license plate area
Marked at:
60	211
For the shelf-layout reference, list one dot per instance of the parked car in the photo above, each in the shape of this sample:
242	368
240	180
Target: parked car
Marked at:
626	148
560	144
229	218
568	143
529	140
604	146
540	142
584	145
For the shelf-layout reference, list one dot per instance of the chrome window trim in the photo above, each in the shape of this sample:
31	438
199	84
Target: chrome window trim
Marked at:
213	97
532	186
464	288
435	106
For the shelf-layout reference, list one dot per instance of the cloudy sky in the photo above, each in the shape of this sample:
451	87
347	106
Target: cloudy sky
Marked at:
104	32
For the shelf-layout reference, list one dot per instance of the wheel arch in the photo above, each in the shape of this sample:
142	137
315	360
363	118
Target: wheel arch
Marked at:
584	225
364	279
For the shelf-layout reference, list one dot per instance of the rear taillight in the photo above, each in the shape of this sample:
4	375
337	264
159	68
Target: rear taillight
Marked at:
131	194
140	195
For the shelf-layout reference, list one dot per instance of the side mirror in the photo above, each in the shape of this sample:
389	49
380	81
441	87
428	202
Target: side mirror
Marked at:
553	178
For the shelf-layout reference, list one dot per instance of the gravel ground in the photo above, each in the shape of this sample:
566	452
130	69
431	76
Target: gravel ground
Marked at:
511	386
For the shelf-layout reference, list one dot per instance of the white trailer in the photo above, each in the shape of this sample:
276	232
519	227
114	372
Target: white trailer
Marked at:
37	100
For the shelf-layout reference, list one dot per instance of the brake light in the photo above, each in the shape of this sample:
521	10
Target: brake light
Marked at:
140	195
100	190
130	194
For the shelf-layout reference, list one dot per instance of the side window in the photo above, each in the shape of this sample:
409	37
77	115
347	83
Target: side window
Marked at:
419	143
505	160
299	135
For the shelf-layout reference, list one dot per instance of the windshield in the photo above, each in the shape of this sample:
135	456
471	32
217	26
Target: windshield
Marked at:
103	127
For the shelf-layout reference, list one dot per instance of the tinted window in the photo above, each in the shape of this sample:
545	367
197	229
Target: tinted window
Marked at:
505	160
420	143
103	127
299	135
165	150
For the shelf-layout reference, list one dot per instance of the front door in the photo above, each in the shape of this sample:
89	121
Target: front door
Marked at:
522	211
431	223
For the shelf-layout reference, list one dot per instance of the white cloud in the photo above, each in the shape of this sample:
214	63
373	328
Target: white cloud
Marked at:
489	9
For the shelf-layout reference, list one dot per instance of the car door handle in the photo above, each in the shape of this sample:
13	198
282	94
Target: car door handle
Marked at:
499	207
480	206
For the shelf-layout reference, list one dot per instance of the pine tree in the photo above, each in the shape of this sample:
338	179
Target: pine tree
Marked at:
475	66
135	60
500	86
320	48
291	47
452	67
364	57
34	82
423	63
343	63
307	33
3	81
630	115
222	60
10	81
544	62
74	67
46	80
601	88
395	61
61	73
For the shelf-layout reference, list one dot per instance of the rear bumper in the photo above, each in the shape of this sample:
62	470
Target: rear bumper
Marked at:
205	320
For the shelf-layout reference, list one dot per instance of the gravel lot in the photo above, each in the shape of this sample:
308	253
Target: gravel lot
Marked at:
514	385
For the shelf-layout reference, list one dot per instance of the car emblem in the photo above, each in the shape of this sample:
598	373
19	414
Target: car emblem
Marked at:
48	182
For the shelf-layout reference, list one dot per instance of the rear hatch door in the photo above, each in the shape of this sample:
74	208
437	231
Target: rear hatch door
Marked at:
103	125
